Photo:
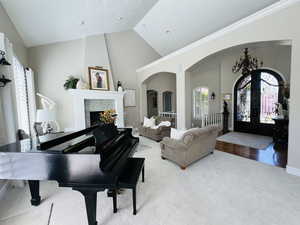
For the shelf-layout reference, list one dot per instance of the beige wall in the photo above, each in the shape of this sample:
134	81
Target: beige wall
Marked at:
128	51
53	63
7	27
163	82
277	22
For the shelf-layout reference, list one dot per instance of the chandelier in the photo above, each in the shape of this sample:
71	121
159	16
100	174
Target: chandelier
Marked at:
246	64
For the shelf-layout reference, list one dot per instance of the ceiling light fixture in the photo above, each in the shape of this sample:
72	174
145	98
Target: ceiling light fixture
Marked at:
246	64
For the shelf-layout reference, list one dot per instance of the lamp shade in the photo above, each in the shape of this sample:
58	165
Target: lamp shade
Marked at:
45	115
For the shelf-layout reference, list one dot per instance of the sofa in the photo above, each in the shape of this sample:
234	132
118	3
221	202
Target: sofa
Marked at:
195	144
159	133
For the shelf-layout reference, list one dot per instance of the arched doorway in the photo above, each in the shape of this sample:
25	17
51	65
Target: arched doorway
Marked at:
255	98
152	106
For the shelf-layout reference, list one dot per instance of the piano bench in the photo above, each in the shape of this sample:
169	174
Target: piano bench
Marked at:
130	177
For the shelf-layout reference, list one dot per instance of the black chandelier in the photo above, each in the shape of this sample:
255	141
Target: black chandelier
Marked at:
246	64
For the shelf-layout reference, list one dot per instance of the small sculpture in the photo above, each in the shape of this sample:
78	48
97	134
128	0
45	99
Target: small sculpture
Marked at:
119	86
225	107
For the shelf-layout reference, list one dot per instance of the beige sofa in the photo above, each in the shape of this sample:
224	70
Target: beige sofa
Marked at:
157	134
195	144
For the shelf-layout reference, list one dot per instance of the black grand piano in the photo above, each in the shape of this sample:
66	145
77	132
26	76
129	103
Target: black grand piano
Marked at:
88	161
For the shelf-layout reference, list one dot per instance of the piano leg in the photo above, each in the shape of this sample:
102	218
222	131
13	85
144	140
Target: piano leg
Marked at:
34	186
115	201
90	197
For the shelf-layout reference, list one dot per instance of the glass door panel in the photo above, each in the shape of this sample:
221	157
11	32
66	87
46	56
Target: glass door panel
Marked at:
269	90
244	100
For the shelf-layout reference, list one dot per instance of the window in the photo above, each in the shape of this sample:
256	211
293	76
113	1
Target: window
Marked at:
25	96
167	101
201	102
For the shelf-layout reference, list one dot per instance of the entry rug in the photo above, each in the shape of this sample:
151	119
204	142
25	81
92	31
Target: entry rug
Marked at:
245	139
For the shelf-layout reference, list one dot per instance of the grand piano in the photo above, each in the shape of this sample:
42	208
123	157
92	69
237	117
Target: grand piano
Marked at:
88	161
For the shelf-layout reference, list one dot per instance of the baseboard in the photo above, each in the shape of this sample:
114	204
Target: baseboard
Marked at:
293	170
4	189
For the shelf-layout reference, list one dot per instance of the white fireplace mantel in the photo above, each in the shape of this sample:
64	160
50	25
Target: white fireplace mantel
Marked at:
79	97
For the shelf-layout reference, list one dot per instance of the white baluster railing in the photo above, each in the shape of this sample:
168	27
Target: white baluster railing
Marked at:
215	119
167	114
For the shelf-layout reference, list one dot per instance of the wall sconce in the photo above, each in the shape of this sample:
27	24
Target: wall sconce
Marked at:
4	81
213	96
3	60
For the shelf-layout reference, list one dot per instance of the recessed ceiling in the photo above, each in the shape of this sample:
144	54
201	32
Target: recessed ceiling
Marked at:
47	21
171	25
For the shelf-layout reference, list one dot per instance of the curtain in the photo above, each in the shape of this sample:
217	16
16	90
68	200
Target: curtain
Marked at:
25	96
31	98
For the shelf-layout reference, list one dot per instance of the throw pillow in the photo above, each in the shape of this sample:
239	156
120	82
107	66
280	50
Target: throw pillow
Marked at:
149	122
177	134
164	123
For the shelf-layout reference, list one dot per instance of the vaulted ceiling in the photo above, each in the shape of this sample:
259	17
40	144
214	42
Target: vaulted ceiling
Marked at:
47	21
167	25
171	25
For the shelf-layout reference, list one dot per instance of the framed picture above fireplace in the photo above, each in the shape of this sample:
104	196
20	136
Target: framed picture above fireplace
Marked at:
98	78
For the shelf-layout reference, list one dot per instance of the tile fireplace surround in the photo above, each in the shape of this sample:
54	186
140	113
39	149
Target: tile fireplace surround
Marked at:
85	101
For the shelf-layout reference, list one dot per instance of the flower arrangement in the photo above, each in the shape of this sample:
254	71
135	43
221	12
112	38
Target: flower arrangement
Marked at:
108	116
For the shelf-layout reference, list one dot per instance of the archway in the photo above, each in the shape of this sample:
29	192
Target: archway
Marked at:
255	98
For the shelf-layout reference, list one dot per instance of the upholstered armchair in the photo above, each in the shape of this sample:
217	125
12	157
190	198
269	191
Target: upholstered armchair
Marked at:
195	144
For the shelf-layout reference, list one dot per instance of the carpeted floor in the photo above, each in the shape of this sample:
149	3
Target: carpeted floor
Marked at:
217	190
245	139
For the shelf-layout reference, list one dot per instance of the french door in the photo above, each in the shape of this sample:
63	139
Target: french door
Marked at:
255	101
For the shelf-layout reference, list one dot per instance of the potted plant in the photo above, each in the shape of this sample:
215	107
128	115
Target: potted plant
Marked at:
71	83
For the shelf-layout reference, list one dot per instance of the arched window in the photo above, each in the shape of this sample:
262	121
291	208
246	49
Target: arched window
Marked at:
167	101
201	102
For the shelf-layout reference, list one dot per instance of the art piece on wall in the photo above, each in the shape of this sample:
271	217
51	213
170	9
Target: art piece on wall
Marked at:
129	98
98	78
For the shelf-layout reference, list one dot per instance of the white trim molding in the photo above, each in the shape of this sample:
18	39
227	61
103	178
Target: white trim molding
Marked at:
247	20
293	171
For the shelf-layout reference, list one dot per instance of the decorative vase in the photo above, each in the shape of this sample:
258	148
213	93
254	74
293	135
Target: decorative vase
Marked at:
82	85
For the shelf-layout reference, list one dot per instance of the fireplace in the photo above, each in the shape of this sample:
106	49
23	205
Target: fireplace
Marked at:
94	117
87	104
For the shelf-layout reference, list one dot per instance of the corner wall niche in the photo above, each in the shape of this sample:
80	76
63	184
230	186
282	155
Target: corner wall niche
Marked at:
86	101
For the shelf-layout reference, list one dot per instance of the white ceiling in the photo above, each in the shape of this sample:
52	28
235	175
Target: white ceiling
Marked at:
47	21
167	25
171	25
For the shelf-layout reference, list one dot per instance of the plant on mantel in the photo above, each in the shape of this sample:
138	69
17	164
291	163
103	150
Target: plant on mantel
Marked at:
71	83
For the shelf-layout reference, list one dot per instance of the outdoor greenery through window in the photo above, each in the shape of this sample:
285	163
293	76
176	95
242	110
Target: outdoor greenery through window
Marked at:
201	102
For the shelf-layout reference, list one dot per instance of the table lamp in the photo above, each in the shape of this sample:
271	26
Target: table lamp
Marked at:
45	116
